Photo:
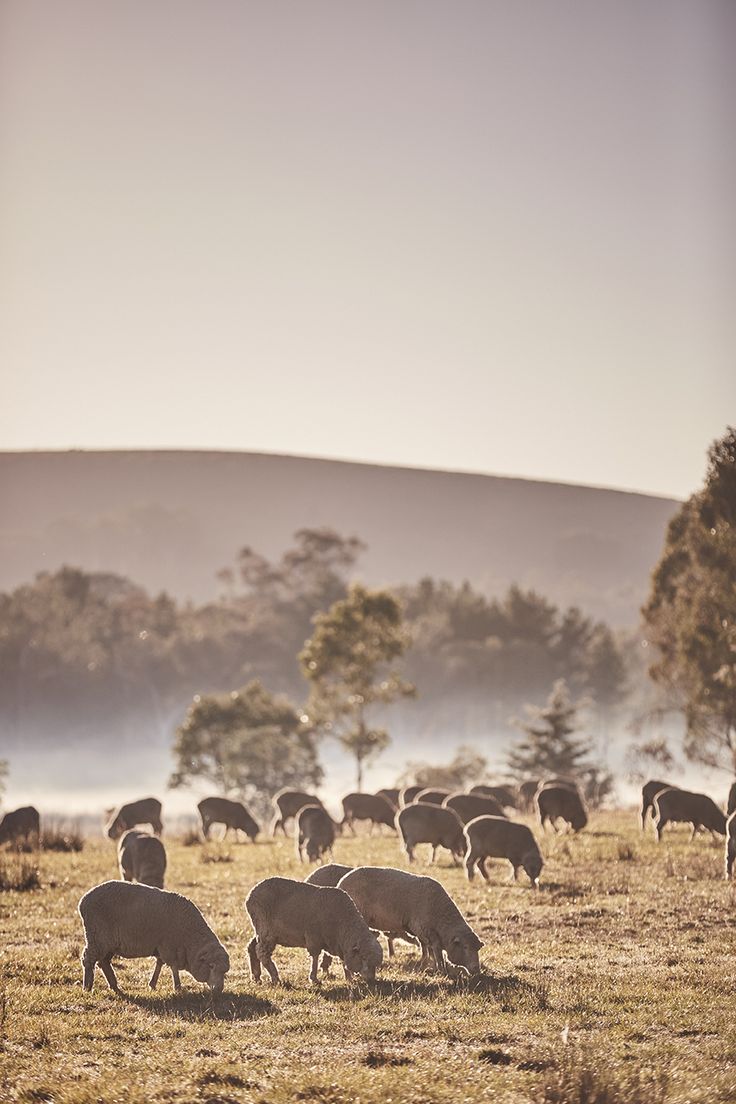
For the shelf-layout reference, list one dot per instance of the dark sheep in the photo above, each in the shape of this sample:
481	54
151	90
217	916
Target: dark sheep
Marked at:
145	811
287	803
431	796
648	793
506	797
391	795
471	805
20	824
730	843
409	794
366	806
683	806
315	832
233	814
561	803
431	824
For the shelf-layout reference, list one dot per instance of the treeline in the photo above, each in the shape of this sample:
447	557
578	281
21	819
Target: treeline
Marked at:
92	648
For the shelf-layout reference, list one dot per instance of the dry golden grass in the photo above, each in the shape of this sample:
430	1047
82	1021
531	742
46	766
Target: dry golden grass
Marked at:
612	985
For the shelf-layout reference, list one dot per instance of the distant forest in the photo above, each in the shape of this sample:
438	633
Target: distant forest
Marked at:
91	651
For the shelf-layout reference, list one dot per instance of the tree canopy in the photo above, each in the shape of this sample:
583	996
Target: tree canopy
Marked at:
348	663
247	743
690	615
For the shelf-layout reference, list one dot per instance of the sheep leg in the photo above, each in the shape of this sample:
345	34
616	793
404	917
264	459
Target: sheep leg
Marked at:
426	959
644	810
326	963
158	828
177	979
409	851
470	860
390	941
438	953
265	951
155	975
314	953
255	964
481	864
514	874
106	967
434	853
277	823
659	826
206	829
694	832
88	968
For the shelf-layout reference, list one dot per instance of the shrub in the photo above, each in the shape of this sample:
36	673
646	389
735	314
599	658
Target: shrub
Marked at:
61	838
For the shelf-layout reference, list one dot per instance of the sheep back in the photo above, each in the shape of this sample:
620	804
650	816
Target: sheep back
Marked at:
328	875
684	806
563	802
367	806
142	858
431	824
468	806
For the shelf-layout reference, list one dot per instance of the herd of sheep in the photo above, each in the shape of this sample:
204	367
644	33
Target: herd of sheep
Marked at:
339	911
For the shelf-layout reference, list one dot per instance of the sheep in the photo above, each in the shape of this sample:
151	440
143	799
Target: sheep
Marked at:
296	914
430	824
365	806
142	858
287	803
394	900
504	795
648	793
409	794
471	805
563	803
731	803
431	796
315	832
391	795
494	837
730	843
692	808
20	824
527	790
233	814
330	875
138	921
145	811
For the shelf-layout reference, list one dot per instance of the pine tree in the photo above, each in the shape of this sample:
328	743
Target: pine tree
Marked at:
550	746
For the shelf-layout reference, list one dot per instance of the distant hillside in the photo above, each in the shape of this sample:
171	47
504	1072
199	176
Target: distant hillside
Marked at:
170	520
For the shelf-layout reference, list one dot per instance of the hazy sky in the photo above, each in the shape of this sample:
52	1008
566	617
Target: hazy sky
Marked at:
487	235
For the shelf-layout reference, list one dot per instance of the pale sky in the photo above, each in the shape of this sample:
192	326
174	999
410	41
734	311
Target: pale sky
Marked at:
472	234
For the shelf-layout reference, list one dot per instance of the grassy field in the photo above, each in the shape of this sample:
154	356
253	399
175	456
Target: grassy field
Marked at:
614	984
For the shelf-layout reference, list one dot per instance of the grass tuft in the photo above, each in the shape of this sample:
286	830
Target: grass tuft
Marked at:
586	1075
19	874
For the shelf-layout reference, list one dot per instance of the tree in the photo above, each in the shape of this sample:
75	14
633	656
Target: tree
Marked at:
550	746
691	612
248	743
348	661
467	766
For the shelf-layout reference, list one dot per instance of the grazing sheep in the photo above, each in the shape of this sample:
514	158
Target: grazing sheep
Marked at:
393	900
330	875
365	806
430	824
233	814
315	832
296	914
20	824
527	790
730	843
137	921
409	795
145	811
287	804
142	858
391	795
648	793
683	806
560	803
494	837
431	796
504	795
468	806
731	804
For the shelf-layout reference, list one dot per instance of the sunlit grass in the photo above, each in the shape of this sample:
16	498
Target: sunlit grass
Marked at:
614	979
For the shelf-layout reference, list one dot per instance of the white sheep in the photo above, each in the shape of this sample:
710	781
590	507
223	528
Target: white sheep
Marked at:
296	914
394	901
138	921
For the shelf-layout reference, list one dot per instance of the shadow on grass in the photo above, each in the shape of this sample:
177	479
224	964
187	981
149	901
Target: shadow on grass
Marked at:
502	988
203	1006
